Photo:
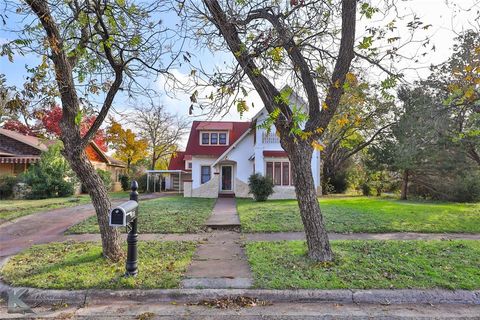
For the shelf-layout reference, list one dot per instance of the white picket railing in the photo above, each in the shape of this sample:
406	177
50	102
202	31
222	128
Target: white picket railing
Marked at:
270	138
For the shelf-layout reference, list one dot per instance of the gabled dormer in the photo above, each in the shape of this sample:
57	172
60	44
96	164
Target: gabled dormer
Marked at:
214	133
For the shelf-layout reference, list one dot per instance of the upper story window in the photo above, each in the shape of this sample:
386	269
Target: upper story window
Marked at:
188	165
214	138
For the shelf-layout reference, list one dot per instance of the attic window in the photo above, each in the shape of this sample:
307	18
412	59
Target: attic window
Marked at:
214	138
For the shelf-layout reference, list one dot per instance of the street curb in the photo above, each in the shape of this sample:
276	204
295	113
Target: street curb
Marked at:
378	296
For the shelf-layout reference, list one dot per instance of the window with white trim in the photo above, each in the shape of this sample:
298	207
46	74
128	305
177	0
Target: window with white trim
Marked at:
188	165
205	174
213	138
279	172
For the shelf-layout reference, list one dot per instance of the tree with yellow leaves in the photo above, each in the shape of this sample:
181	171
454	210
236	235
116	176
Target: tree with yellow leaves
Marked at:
457	83
127	146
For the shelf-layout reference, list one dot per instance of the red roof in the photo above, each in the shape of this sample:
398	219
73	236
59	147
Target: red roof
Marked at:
195	149
275	154
215	125
177	162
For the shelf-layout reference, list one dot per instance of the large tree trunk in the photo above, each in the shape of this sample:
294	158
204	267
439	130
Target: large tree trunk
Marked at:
74	144
98	193
404	193
154	160
300	155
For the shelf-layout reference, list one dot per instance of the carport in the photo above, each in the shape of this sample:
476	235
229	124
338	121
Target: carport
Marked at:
160	174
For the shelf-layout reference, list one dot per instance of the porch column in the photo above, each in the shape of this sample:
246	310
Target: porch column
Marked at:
148	180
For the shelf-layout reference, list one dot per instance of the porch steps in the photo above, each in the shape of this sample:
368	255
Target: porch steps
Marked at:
226	195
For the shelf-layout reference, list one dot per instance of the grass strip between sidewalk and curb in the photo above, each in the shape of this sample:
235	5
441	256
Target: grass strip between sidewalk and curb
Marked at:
163	215
363	214
73	265
371	264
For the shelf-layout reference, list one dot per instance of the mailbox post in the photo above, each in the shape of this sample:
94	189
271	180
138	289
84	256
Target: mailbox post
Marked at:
125	215
131	266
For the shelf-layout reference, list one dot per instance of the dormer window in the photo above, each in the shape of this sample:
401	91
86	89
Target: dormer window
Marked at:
222	138
213	138
205	138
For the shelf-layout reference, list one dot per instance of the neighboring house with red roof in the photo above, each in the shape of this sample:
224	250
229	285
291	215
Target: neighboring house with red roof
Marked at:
18	152
220	157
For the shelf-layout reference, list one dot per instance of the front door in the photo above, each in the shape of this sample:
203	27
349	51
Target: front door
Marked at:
227	178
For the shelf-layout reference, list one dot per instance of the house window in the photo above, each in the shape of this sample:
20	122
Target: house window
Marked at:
189	165
270	170
222	138
205	174
285	173
205	138
279	172
213	138
19	168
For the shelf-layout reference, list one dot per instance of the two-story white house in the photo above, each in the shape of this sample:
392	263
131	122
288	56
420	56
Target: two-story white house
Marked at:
220	156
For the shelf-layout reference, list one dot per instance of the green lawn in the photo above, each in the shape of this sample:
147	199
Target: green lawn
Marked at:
81	266
363	214
368	265
13	209
163	215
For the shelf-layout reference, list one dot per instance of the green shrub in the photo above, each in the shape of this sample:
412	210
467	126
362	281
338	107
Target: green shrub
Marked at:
125	182
339	182
7	182
261	187
106	177
51	176
466	188
366	189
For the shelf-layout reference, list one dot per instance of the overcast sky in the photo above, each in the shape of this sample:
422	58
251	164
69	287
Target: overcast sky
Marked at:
447	18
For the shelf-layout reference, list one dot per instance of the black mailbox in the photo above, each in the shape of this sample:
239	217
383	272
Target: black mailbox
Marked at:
122	215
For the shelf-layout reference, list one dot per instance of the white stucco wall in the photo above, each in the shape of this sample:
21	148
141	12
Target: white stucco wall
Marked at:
197	163
260	147
243	167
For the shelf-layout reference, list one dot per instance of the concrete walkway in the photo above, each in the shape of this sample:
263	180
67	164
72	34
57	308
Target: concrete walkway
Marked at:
280	236
220	260
224	214
45	227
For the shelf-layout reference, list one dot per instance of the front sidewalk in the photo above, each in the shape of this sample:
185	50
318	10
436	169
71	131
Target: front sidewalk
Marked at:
220	261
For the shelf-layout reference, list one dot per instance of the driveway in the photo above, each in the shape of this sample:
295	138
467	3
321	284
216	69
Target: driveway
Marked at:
48	226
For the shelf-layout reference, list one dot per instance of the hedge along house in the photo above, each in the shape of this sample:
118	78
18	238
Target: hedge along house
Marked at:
18	152
221	156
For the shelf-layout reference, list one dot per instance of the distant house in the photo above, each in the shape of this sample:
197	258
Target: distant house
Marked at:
220	156
18	152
